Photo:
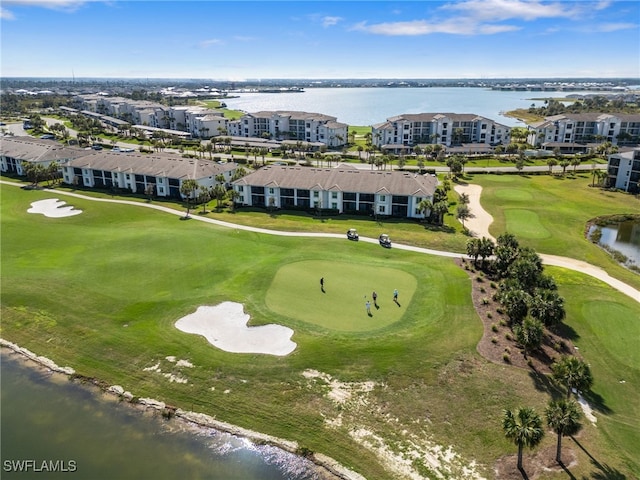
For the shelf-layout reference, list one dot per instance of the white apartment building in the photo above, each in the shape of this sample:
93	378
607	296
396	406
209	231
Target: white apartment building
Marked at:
291	125
624	171
584	128
402	132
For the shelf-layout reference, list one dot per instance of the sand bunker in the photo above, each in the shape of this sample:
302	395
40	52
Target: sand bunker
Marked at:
225	327
53	208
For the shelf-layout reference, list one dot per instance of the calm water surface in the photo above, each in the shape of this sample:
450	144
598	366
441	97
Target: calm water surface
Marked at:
47	418
368	106
625	238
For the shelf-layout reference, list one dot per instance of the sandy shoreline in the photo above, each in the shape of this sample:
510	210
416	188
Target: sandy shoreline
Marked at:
327	468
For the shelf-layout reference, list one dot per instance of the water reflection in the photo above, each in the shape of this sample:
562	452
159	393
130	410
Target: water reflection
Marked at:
47	418
623	238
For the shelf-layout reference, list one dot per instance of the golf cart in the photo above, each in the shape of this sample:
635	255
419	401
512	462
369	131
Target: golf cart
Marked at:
384	240
352	234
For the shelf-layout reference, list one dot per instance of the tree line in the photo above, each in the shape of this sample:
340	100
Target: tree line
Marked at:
532	303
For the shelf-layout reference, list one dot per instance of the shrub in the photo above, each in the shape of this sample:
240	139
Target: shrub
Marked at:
506	357
494	340
493	285
479	279
503	323
485	301
494	327
500	310
489	315
508	336
482	290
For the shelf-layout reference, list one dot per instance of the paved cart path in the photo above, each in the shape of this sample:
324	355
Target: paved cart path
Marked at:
479	225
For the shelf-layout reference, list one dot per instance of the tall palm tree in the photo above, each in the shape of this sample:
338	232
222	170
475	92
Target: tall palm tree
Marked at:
573	373
425	207
563	417
524	426
188	189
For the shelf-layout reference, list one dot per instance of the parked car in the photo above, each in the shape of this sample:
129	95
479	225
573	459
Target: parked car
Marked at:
126	150
96	147
352	234
384	240
48	136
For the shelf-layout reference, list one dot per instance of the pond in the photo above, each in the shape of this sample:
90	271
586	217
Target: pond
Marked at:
623	237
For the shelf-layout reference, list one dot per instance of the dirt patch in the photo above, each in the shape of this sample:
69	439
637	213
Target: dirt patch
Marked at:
497	343
535	464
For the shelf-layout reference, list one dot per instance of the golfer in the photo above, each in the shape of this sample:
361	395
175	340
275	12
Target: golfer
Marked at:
374	295
322	282
395	296
368	305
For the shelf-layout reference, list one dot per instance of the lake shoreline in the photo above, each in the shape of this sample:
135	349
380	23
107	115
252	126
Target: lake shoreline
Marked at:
326	468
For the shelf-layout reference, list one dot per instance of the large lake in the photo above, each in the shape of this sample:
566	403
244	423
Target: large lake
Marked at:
45	417
368	106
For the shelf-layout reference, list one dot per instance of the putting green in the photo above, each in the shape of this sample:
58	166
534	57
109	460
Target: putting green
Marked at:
525	223
513	194
295	292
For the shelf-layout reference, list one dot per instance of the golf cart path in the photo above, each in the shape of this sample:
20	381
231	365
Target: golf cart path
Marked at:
479	225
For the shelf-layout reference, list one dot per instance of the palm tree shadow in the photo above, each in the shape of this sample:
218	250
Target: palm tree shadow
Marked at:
597	402
605	472
544	383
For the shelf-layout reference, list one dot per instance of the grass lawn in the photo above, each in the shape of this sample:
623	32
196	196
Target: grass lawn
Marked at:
101	292
550	214
295	292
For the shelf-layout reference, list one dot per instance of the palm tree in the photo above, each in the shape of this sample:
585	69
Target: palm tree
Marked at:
463	213
486	248
188	189
563	418
573	373
425	207
529	334
524	426
473	249
440	209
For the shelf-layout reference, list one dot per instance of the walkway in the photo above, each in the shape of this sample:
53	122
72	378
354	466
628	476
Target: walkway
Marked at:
478	225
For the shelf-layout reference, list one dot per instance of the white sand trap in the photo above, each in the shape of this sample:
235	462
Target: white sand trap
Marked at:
53	208
225	327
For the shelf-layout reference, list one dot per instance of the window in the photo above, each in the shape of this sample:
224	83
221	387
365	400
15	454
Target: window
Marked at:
334	195
241	188
316	194
161	190
381	209
383	198
334	205
271	191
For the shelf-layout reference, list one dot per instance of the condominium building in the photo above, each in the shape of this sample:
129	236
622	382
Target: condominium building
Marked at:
585	128
344	189
403	132
624	171
105	169
291	125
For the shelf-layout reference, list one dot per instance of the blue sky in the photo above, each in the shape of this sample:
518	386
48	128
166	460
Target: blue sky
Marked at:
238	40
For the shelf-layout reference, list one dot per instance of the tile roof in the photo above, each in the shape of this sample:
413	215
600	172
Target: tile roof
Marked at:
37	150
346	179
159	165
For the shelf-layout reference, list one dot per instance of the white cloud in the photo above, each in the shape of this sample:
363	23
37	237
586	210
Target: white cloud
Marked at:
497	10
210	42
6	14
422	27
329	21
53	4
613	27
484	17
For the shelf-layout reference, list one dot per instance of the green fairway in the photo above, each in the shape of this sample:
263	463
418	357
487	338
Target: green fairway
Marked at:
101	292
550	214
295	292
526	223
